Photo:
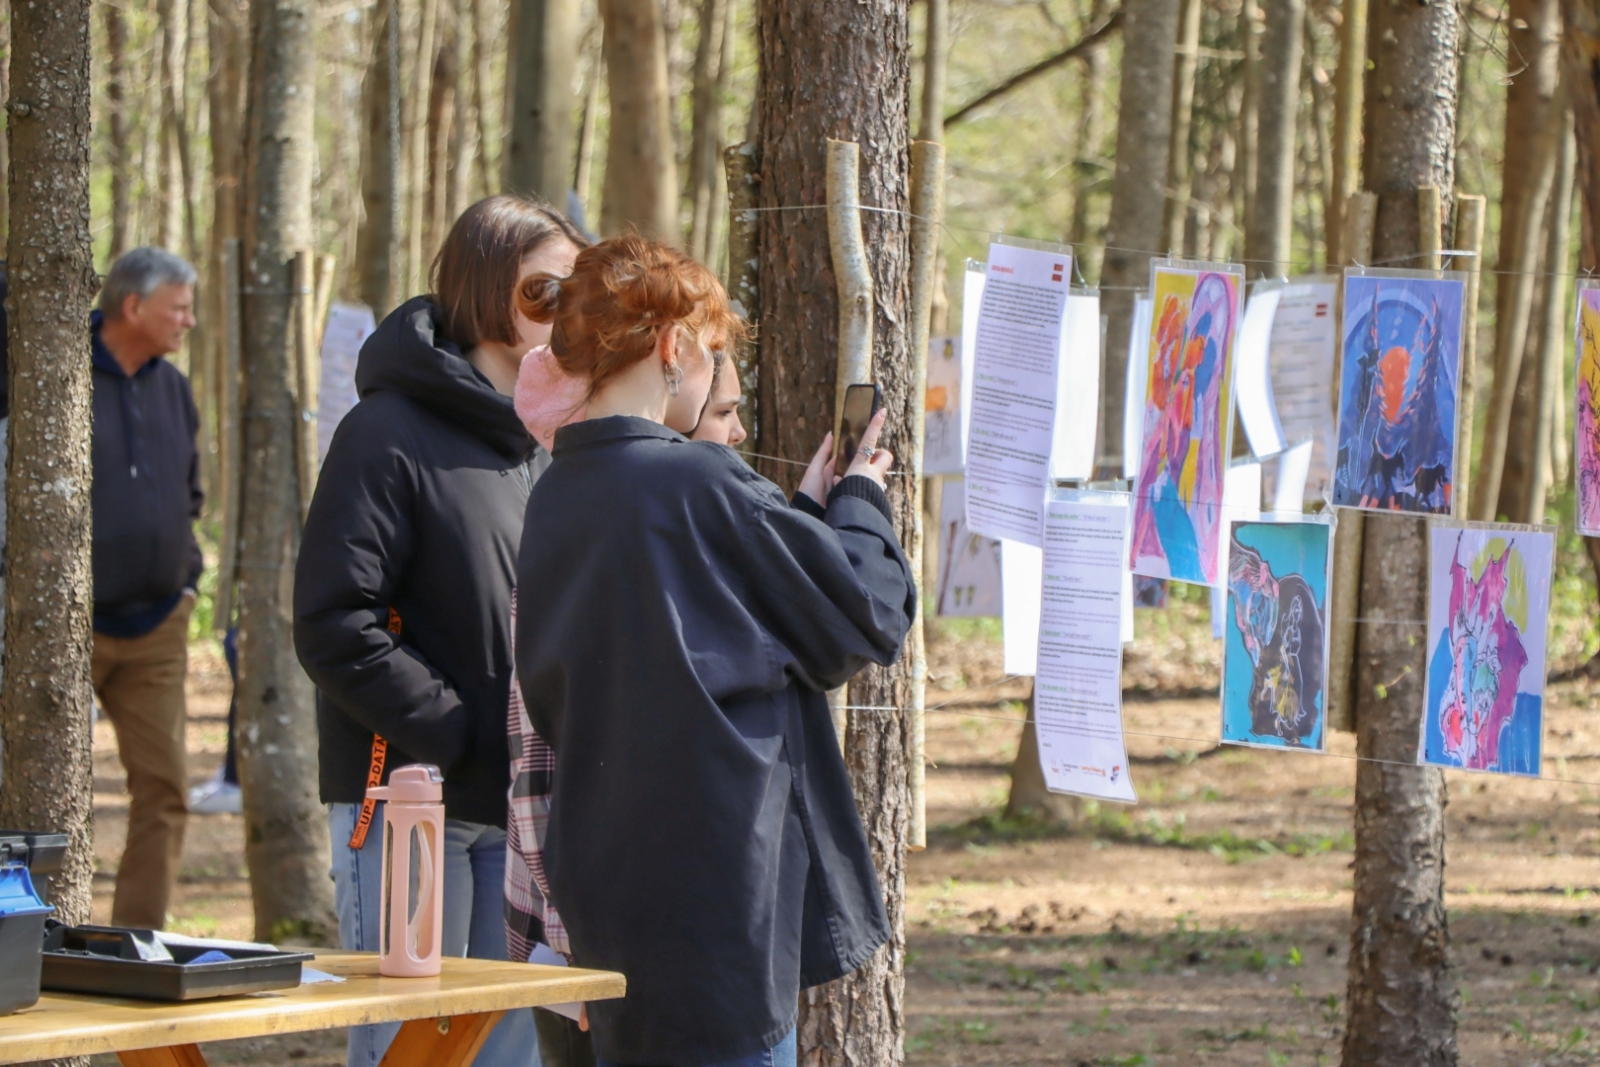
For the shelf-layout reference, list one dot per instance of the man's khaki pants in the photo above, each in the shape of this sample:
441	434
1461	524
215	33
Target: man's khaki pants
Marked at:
139	682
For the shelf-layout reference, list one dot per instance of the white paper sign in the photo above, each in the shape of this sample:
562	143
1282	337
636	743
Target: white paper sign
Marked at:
1133	401
1077	390
1293	471
1077	696
1301	366
348	327
1252	384
1021	571
1013	391
943	450
969	563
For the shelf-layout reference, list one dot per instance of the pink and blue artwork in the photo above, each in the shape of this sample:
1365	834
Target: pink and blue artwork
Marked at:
1488	606
1397	394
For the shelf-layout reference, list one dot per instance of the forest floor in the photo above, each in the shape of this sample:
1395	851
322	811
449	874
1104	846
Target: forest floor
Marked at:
1209	924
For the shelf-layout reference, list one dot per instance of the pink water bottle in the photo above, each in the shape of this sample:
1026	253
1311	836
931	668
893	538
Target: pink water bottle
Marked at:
412	916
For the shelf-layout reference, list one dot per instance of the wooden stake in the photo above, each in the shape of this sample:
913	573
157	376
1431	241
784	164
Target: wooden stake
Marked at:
1468	238
319	318
927	209
1361	216
230	438
305	378
850	268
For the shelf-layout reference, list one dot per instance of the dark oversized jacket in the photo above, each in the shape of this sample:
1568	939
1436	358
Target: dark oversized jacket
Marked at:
146	492
418	509
680	625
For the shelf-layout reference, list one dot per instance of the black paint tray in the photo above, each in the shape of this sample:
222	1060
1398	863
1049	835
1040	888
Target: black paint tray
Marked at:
112	961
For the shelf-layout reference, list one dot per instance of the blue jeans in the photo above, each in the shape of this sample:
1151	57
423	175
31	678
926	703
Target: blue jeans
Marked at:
474	922
783	1054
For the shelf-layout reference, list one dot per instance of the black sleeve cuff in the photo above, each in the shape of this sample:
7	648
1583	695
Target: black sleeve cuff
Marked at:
801	502
863	488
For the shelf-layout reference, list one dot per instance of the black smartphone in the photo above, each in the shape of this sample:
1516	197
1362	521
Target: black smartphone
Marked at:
861	402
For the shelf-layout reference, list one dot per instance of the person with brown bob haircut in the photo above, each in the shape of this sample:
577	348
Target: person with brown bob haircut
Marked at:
403	587
702	836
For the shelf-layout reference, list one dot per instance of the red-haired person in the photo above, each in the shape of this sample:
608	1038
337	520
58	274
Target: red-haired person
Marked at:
702	837
402	594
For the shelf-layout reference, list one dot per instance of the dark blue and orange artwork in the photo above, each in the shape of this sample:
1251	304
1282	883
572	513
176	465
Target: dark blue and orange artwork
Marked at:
1397	394
1177	507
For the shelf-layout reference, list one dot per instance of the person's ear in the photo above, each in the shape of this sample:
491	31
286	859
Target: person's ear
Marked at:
130	305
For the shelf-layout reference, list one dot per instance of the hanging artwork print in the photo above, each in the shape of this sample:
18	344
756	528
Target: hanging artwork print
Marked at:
1274	681
1488	603
1397	395
1177	521
1586	427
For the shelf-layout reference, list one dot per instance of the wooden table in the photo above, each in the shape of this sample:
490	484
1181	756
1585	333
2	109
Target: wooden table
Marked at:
445	1019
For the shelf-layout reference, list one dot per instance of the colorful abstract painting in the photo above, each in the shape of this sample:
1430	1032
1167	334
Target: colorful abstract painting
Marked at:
1177	519
1488	603
1397	394
1274	682
1586	427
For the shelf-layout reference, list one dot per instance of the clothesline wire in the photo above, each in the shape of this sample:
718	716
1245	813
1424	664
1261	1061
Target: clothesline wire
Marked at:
949	228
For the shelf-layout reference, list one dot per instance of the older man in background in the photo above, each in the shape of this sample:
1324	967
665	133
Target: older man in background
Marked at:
147	562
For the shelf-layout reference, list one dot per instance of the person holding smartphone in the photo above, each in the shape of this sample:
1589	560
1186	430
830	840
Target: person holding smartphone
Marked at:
702	835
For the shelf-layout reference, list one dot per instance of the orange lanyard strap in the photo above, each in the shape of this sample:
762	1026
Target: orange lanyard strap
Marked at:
380	750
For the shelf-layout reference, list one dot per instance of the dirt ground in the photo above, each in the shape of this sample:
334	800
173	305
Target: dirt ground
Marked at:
1208	924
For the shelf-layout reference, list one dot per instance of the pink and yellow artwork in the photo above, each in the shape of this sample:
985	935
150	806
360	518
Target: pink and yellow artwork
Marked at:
1586	446
1177	516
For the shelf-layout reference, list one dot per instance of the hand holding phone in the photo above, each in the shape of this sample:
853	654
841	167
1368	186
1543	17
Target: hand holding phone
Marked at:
861	402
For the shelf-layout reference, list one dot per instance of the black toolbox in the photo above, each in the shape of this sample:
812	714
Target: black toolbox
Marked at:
113	961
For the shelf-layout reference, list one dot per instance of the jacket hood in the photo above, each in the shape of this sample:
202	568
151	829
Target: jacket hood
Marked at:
407	354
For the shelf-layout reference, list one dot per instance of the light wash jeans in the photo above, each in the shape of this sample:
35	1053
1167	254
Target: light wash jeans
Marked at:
474	922
783	1054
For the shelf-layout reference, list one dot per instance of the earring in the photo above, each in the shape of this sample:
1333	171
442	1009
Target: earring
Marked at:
674	378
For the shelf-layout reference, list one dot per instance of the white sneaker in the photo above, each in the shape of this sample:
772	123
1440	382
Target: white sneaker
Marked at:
216	797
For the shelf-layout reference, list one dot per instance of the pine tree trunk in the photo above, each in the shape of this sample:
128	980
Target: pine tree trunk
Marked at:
5	147
1091	137
705	148
45	700
1180	156
1532	71
378	240
1149	31
538	150
1270	222
119	163
1348	81
842	69
1401	999
441	123
226	28
482	74
286	830
641	183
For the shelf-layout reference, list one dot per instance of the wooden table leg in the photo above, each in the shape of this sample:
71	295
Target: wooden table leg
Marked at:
171	1056
448	1042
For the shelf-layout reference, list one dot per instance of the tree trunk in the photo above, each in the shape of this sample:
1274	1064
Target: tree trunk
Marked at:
286	830
1532	72
483	41
1532	432
705	149
1581	42
1270	222
842	69
116	125
538	149
1401	1000
5	147
441	124
45	700
1348	82
414	113
935	68
584	165
1030	798
226	31
1149	30
1180	167
641	183
1091	138
378	239
1249	104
